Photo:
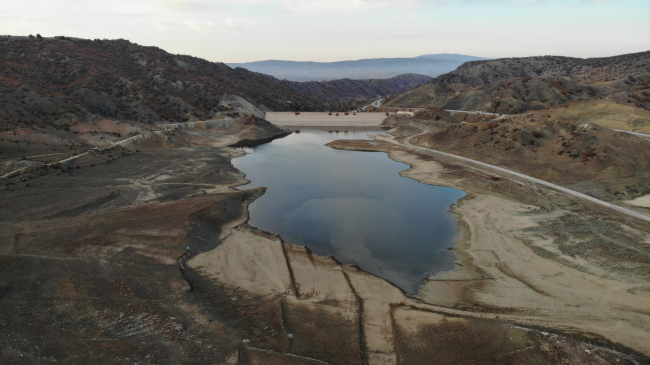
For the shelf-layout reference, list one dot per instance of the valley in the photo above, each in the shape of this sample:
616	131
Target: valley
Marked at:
159	208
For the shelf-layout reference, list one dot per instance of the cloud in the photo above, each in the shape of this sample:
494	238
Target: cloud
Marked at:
183	5
198	26
239	24
334	6
158	26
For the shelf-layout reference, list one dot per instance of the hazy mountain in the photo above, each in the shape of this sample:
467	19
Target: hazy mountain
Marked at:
374	68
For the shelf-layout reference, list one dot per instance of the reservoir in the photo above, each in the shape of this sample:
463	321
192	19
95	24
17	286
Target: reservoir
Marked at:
351	205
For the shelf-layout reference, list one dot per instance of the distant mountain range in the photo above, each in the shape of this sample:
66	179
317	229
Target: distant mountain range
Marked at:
374	68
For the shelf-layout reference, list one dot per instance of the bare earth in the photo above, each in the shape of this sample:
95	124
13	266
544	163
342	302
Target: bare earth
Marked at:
642	201
150	260
535	256
289	119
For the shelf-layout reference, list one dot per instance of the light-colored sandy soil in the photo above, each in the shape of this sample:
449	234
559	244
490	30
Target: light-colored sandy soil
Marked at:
286	119
511	263
642	201
513	268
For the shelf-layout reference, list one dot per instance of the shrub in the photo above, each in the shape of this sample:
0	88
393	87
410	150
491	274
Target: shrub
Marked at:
436	117
330	113
297	113
531	141
537	134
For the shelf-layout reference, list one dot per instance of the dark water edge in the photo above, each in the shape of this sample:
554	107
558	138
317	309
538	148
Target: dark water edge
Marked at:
351	205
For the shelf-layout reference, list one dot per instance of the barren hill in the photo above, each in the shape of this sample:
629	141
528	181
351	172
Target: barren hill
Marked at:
516	85
45	80
584	156
347	90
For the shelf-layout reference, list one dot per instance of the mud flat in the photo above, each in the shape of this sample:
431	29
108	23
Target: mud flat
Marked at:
535	256
304	119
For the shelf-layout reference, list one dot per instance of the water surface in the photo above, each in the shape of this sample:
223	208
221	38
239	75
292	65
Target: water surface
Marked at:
351	205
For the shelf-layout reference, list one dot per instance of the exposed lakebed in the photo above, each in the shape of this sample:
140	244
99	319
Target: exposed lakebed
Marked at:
351	205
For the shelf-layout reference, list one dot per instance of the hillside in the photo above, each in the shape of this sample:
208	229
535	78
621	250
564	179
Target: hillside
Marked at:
347	90
48	80
596	86
586	157
374	68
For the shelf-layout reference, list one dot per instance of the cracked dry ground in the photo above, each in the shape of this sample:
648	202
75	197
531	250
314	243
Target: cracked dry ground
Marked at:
148	260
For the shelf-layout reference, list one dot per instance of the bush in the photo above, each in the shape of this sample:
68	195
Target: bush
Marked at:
531	141
537	134
297	113
337	114
436	117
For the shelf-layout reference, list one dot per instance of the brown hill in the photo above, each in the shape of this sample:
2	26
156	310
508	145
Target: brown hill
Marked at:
55	80
517	85
585	157
347	91
594	69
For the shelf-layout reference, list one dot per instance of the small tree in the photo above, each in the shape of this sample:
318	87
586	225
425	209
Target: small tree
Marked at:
436	117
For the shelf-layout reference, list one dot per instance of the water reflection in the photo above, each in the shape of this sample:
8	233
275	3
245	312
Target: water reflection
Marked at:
351	205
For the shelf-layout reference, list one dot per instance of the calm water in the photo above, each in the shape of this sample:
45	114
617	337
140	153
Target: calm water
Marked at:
351	205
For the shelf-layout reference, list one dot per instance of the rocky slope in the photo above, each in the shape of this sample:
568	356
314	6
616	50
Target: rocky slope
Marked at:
347	90
516	85
45	81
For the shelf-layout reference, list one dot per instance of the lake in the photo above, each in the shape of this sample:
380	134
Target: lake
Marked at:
351	205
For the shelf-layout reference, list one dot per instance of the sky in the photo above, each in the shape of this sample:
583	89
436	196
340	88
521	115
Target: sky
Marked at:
336	30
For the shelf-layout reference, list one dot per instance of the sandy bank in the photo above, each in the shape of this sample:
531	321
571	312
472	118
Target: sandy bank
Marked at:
296	307
536	256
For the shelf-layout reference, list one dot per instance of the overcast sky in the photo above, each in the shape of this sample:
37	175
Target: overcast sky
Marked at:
334	30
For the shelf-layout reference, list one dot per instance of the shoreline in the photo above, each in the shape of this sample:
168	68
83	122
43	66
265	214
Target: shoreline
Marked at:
485	282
